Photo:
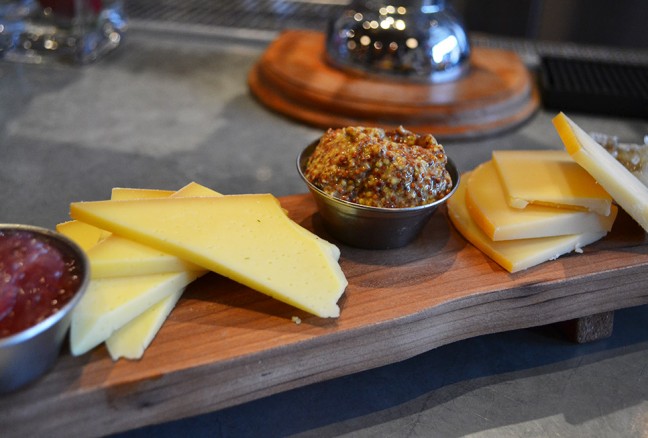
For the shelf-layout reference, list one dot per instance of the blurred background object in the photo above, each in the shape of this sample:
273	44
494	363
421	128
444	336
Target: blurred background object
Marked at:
597	22
586	22
72	31
422	40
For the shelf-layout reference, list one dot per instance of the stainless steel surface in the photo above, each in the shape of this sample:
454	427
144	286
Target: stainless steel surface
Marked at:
371	227
28	354
421	40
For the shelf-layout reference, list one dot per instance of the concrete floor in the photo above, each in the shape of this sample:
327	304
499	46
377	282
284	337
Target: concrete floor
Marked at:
169	108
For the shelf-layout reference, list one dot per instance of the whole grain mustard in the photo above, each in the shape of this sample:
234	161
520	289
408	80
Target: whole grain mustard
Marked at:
378	168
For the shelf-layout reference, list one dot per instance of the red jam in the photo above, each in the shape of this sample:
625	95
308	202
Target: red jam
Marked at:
36	280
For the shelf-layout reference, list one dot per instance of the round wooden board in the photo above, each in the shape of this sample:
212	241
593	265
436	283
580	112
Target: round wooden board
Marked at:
293	78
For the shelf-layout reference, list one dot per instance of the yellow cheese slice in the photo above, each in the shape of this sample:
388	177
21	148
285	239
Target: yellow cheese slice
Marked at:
488	207
131	340
628	191
549	177
247	238
117	256
120	257
110	303
84	235
125	193
512	255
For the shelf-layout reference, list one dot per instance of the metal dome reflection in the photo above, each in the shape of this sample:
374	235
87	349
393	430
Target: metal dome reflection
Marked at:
419	40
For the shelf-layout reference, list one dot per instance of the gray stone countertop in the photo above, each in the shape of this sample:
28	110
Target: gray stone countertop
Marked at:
167	109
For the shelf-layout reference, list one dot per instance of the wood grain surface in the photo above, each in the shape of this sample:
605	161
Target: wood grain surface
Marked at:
225	344
294	78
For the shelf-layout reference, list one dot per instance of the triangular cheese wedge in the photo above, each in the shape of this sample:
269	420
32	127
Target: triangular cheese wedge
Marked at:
131	340
116	256
110	303
551	178
628	191
120	257
488	207
247	238
512	255
84	235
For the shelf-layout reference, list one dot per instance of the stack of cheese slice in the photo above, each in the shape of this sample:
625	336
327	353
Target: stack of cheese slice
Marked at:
145	246
526	207
626	189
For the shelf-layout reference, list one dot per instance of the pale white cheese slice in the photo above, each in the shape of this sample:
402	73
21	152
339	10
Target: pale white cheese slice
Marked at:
628	191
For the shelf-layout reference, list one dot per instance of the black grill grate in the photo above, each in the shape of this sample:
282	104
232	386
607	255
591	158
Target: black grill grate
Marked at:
594	86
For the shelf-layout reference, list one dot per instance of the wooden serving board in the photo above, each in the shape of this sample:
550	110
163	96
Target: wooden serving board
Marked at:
225	344
293	78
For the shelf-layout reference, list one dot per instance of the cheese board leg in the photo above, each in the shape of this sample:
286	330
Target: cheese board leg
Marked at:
588	328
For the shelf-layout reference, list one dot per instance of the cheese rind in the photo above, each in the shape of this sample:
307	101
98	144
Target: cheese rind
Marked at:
110	303
628	191
551	178
247	238
131	340
512	255
488	207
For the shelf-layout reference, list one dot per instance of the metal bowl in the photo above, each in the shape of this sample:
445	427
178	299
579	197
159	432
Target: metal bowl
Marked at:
28	354
371	227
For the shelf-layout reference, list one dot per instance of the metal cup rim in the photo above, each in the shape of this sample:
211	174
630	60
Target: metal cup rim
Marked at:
51	320
303	156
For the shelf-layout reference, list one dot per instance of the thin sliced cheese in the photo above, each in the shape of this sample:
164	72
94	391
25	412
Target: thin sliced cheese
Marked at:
121	257
247	238
116	256
84	235
512	255
628	191
131	340
110	303
125	193
551	178
488	207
